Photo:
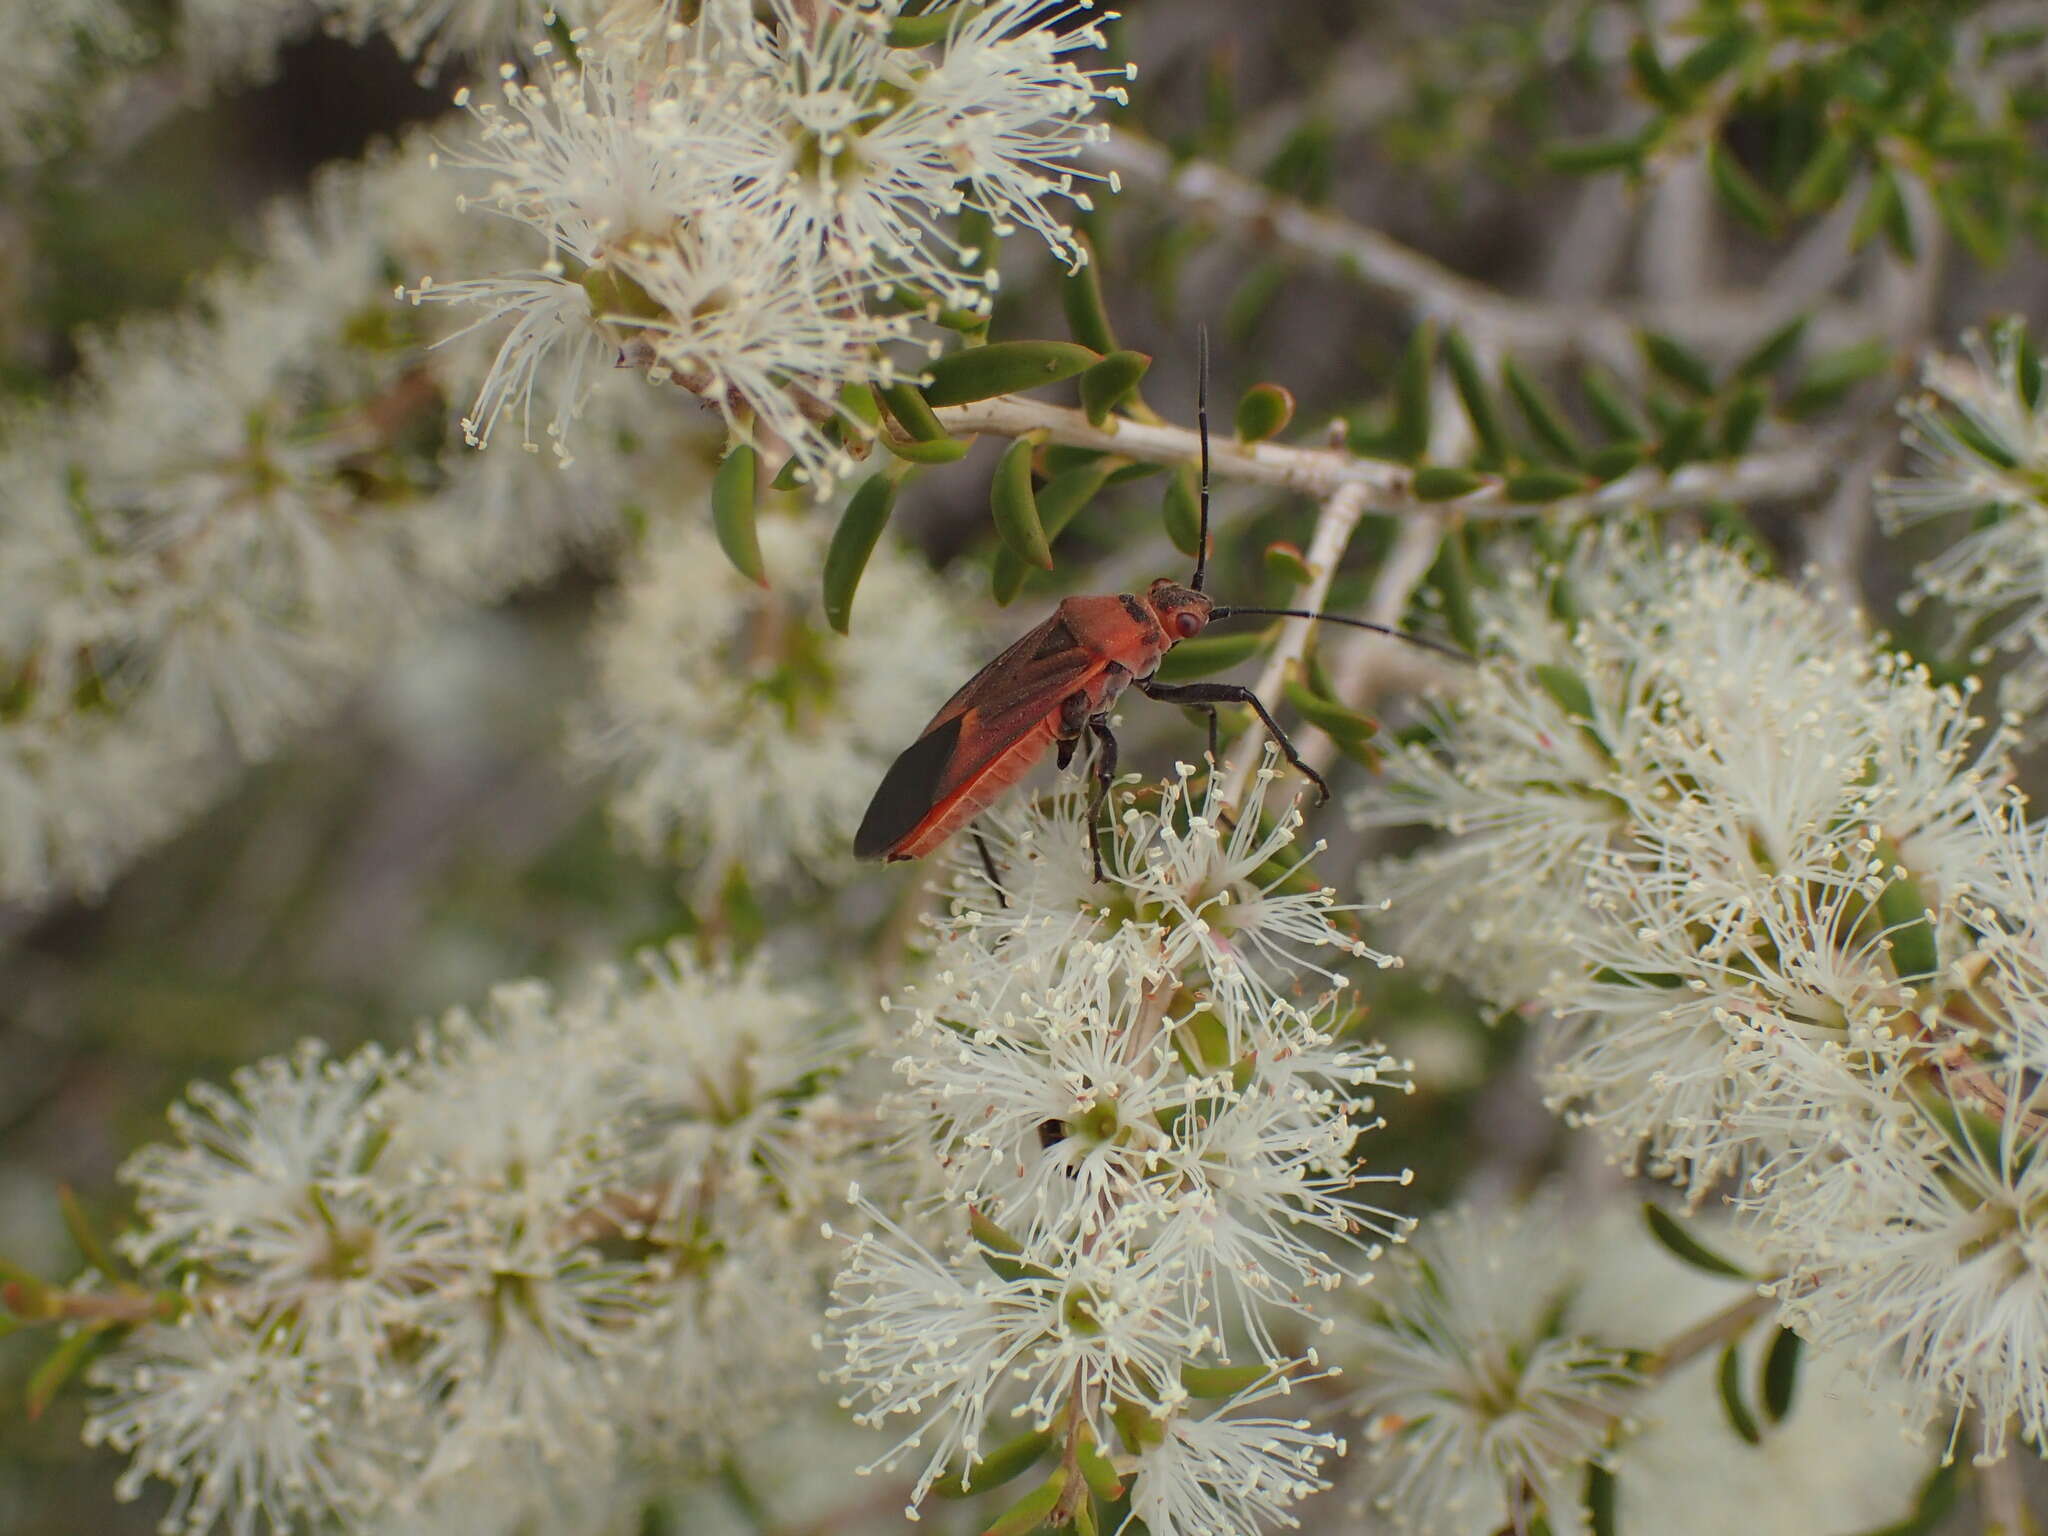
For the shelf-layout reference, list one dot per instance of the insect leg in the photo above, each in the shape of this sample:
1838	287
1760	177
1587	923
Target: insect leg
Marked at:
1234	693
988	864
1105	775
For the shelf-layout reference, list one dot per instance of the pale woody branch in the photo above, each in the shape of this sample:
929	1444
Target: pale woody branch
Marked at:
1788	472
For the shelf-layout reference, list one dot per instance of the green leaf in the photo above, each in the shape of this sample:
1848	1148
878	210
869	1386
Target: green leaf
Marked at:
1005	1463
1653	79
1610	461
1781	1374
1739	421
1978	235
1833	374
1610	406
938	450
24	1294
1740	192
1688	1249
1346	727
733	505
1541	413
1682	439
1728	1378
1678	363
999	1249
1408	437
912	411
96	1252
789	477
1936	1498
60	1365
1097	1468
1535	486
1446	482
1213	1381
930	27
1452	575
1580	157
1263	412
1060	501
860	527
745	923
1568	689
1599	1500
1712	58
1015	509
1821	182
1030	1512
1003	368
1773	351
1477	396
1109	383
1903	907
1087	315
1182	510
1208	654
1286	564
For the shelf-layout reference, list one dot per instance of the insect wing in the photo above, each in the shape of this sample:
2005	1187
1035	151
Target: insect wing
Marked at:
993	711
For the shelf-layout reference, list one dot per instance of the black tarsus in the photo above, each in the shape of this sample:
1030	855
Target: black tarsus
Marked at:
1235	693
988	865
1202	429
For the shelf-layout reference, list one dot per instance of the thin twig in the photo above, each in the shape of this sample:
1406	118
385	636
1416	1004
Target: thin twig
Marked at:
1728	1323
1780	473
1335	525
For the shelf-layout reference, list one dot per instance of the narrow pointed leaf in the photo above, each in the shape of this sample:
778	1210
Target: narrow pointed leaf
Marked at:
1110	382
1682	439
1060	501
1182	510
1599	1500
1087	316
1408	438
921	31
1728	1379
938	450
860	528
1774	350
1452	575
1781	1374
1030	1512
1739	421
1003	368
1546	422
1208	654
1222	1380
1347	728
89	1242
1610	461
1678	363
1740	192
1015	508
734	501
1682	1245
1610	405
1536	486
1445	482
1097	1468
60	1366
912	411
1006	1462
1477	396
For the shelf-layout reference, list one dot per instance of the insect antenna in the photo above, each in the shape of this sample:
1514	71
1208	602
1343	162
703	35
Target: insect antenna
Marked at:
1202	429
1337	618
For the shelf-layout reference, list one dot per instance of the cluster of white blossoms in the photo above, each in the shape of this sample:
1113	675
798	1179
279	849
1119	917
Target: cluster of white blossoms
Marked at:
755	208
740	731
1978	431
1781	921
1524	1363
488	1273
238	510
1140	1145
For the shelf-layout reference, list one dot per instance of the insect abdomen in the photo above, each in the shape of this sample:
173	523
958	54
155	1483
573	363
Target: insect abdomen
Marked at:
971	798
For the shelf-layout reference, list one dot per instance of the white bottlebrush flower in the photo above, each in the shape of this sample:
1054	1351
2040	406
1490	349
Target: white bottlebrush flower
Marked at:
1924	1247
1978	432
255	1431
1234	1470
1135	1164
1481	1407
741	731
51	48
573	1229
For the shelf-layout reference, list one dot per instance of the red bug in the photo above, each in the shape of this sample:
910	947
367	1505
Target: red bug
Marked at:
1057	684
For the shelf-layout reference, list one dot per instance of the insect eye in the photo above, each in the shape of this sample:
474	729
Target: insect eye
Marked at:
1187	623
